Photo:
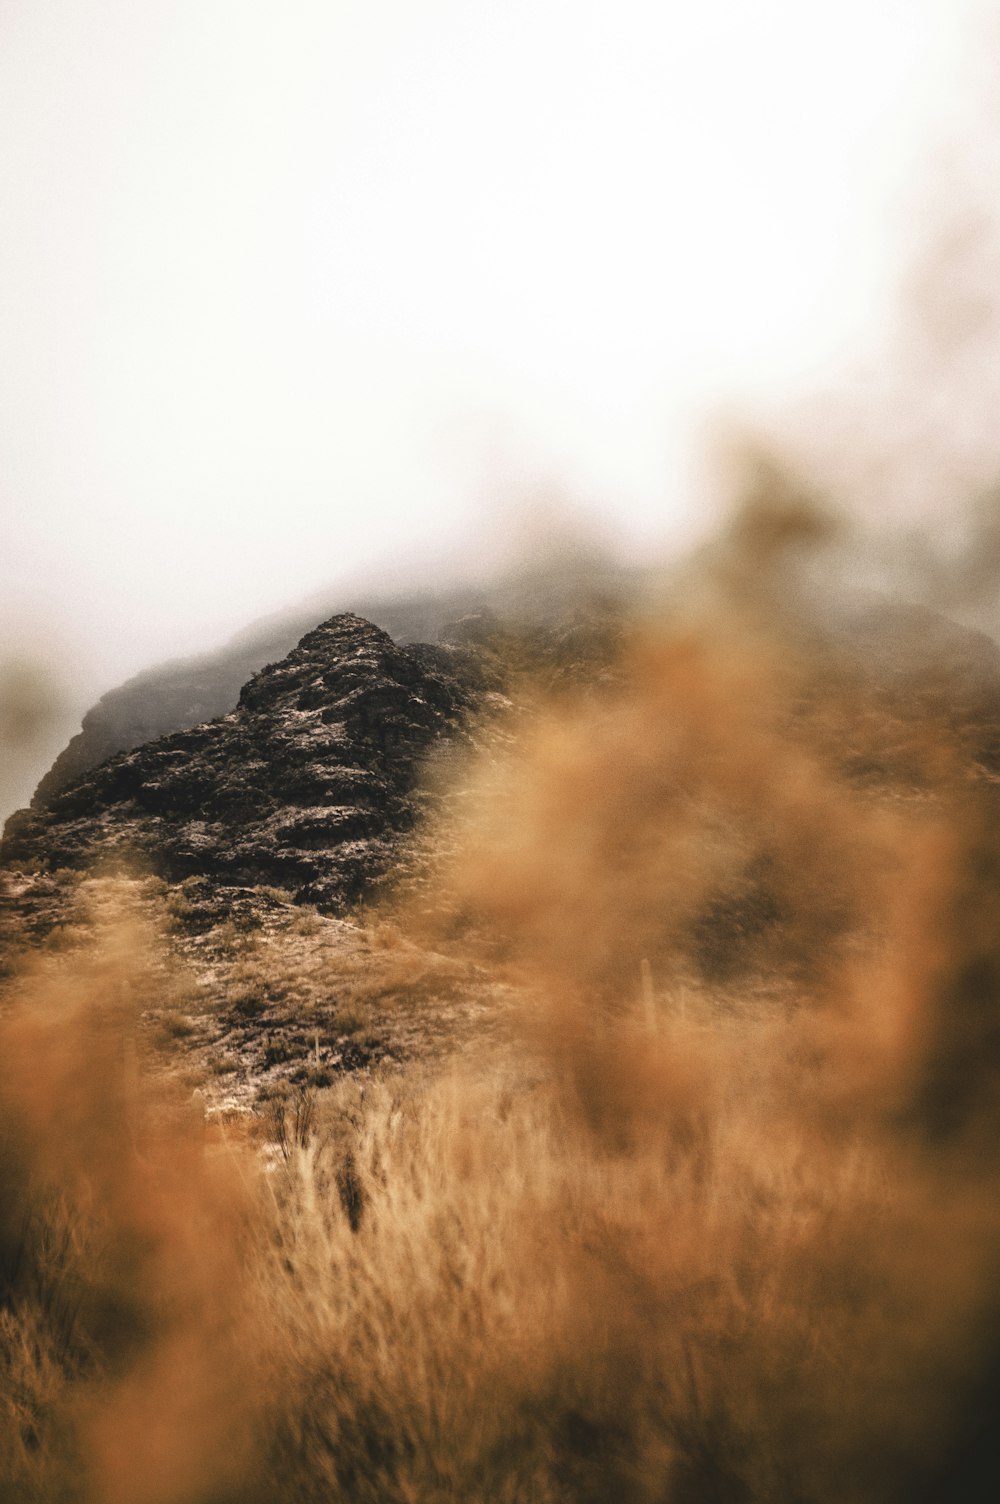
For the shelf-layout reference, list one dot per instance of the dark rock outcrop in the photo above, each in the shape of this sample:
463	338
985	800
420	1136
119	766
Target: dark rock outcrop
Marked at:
177	695
308	784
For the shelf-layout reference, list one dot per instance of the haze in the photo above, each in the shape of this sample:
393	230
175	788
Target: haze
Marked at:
293	293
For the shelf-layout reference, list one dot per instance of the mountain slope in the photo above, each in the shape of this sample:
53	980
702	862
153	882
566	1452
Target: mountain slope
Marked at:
306	784
183	693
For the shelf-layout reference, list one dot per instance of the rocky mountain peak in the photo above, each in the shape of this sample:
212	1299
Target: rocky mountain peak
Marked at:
307	784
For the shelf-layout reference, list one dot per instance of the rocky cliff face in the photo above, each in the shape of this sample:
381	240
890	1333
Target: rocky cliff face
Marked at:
178	695
307	784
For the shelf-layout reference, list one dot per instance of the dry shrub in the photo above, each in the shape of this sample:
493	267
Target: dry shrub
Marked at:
723	1228
706	1240
797	1228
120	1256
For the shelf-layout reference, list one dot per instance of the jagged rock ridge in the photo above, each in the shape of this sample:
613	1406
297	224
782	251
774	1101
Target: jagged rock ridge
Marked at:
308	783
177	695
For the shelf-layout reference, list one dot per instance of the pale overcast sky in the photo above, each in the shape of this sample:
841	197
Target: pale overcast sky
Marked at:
290	289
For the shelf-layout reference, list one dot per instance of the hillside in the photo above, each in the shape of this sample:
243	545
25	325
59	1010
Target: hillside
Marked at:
177	695
305	784
557	1065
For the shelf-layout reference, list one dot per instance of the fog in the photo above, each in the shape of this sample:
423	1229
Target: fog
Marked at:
297	294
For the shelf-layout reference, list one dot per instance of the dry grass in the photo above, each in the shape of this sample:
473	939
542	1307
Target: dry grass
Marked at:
720	1227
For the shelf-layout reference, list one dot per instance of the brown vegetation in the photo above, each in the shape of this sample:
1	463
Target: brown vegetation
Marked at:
717	1222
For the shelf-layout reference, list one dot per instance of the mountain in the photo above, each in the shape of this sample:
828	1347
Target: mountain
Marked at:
307	784
311	782
182	693
177	695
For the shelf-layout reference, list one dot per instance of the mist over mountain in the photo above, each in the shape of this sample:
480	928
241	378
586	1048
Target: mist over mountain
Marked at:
521	1023
299	763
304	784
183	692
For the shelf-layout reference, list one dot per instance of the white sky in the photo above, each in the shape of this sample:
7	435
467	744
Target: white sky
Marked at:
289	289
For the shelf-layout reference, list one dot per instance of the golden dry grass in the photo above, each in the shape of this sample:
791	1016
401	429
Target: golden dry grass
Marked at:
718	1223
